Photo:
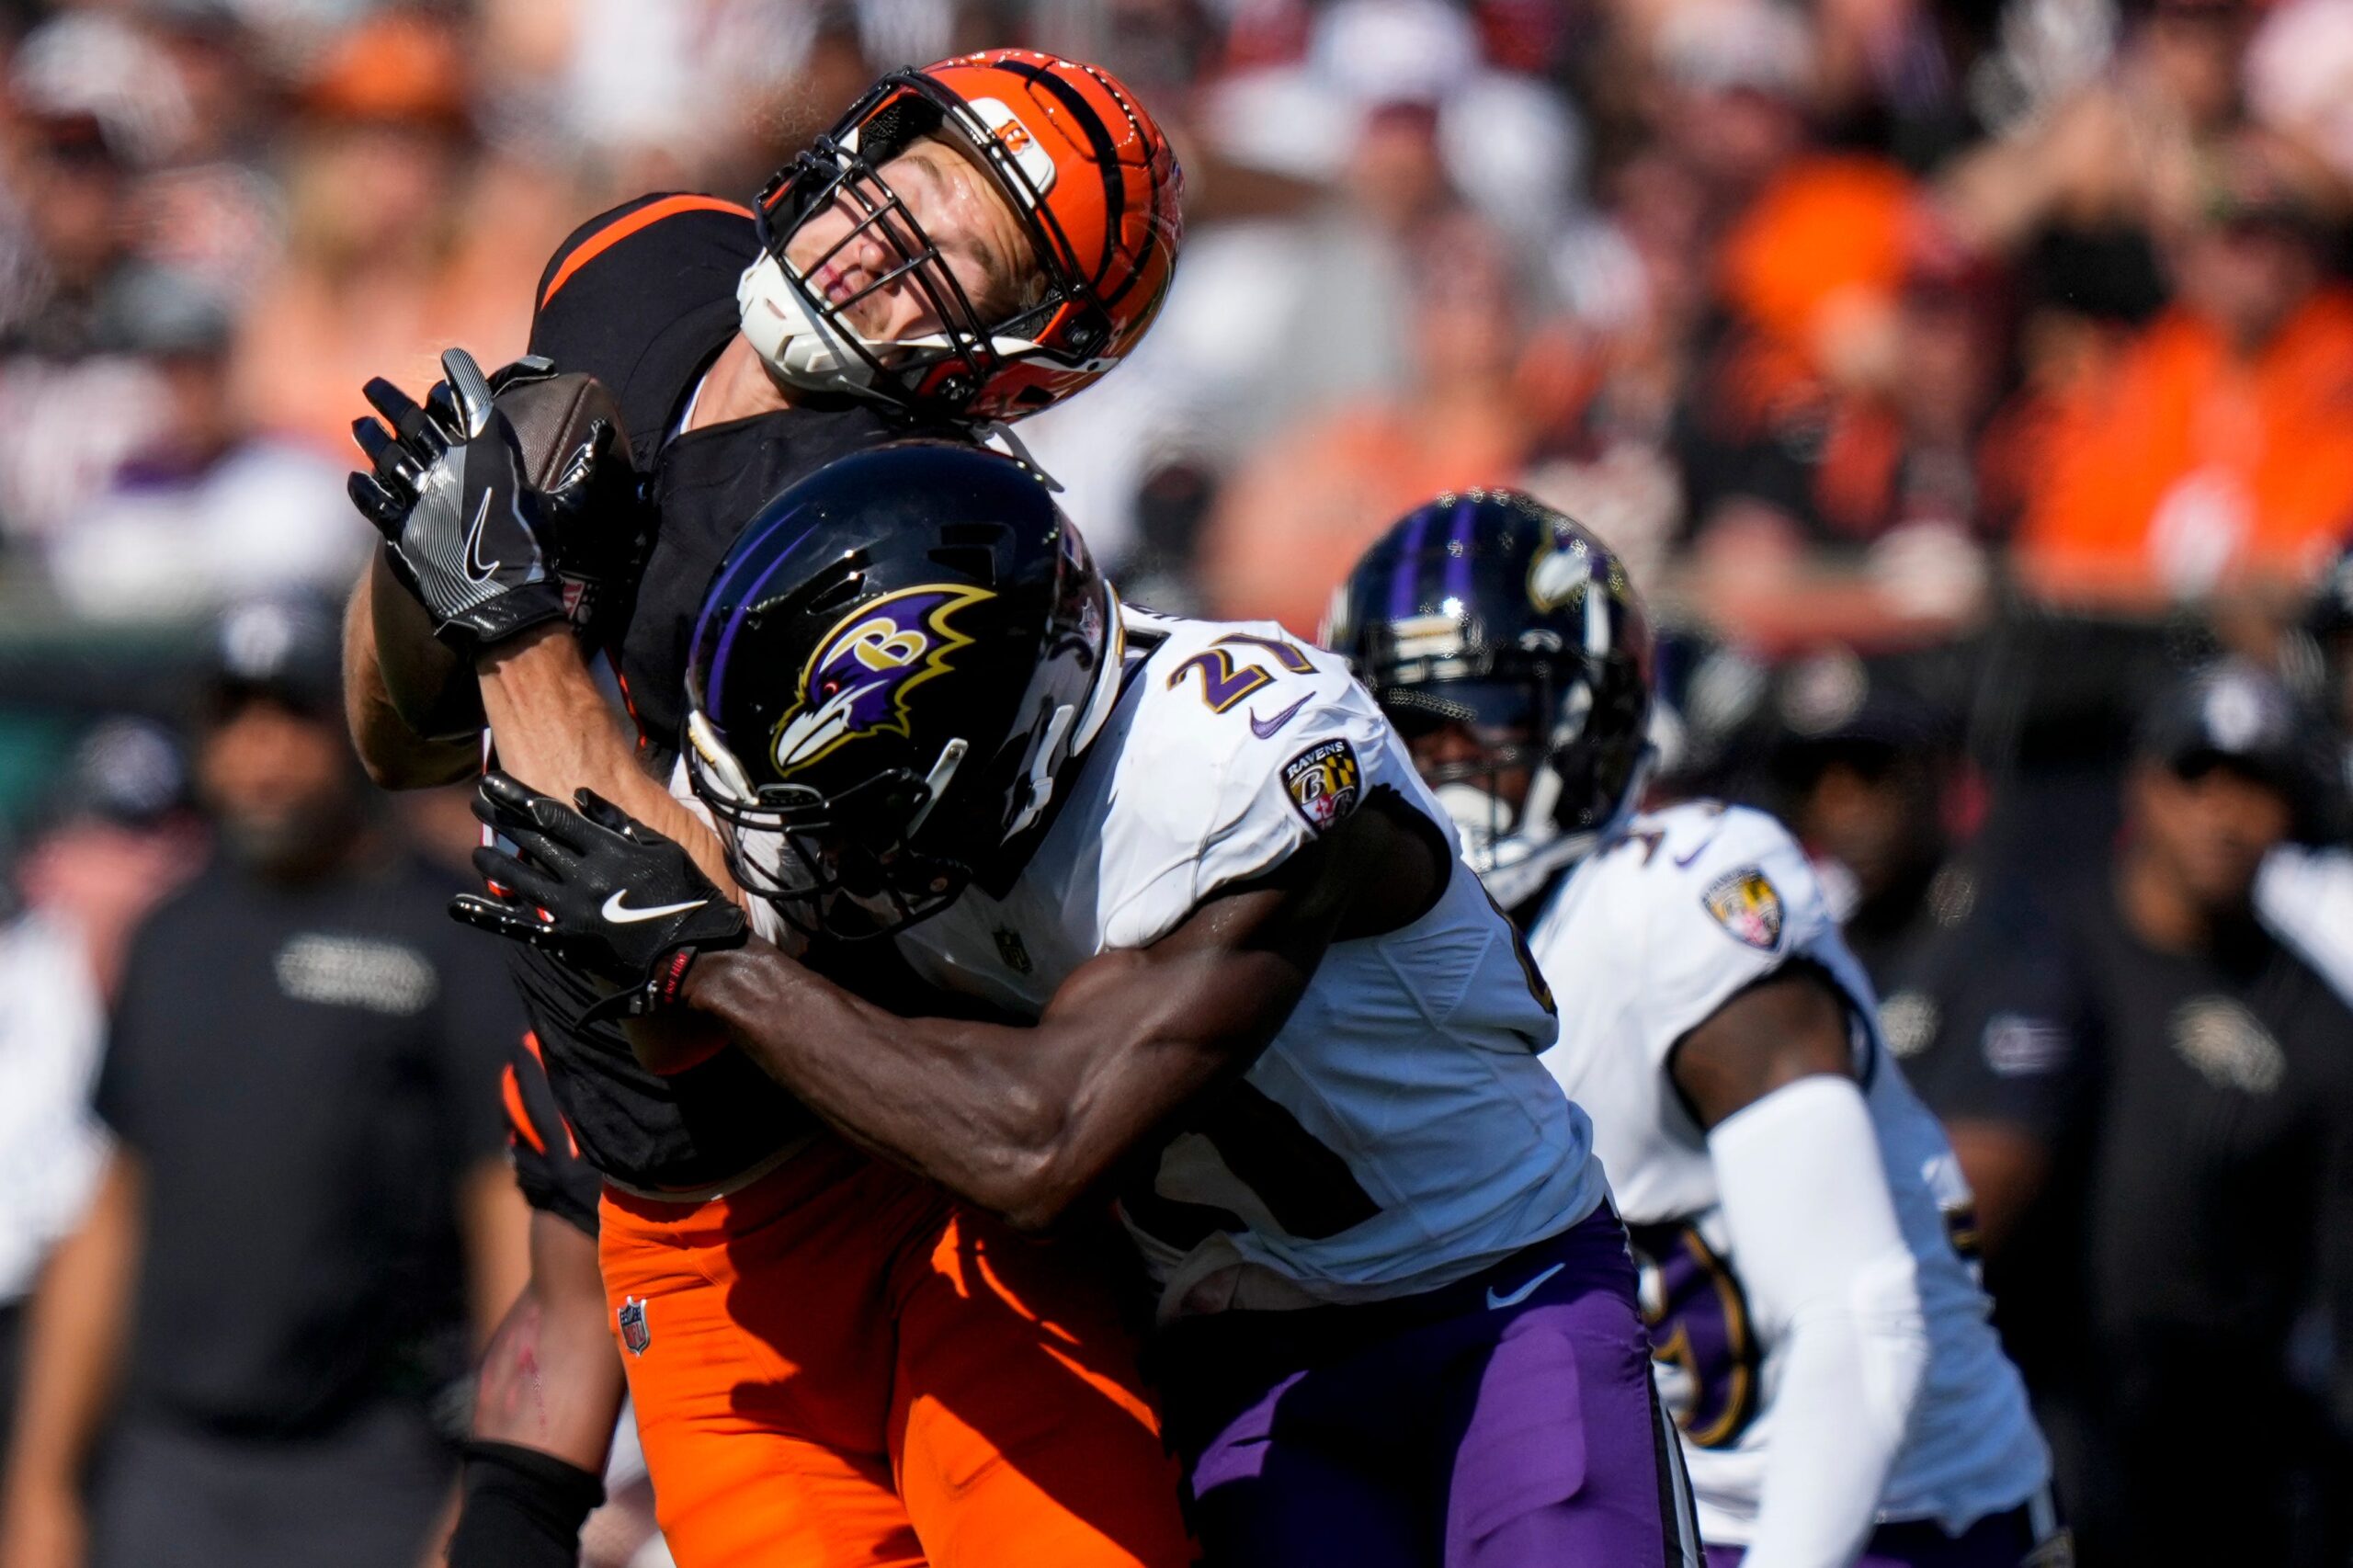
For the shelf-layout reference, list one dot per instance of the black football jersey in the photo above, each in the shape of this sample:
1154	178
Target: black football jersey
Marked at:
643	298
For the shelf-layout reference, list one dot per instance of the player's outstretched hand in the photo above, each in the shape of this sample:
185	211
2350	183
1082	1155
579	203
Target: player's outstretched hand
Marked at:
599	889
596	523
462	526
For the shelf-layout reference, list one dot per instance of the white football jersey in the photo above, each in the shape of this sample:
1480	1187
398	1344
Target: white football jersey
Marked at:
1643	941
1400	1133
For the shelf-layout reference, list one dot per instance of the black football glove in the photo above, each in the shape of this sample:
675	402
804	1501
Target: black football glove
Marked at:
597	519
603	893
462	531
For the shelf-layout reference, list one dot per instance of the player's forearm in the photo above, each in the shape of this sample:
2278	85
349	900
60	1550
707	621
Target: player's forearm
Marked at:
550	1377
996	1114
494	1225
2005	1165
544	1410
1814	1234
555	731
74	1339
396	755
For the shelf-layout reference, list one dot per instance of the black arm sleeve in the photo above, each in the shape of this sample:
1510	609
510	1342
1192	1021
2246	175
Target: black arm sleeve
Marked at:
521	1509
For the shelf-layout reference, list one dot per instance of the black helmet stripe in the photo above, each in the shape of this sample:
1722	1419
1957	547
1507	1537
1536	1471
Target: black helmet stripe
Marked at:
1107	155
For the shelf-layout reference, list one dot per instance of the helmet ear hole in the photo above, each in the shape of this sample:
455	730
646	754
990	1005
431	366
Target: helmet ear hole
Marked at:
976	561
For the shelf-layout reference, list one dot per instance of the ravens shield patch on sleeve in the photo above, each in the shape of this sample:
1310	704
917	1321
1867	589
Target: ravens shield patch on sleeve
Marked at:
1325	782
1745	904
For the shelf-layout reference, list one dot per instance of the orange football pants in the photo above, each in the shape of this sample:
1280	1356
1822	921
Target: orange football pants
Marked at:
843	1367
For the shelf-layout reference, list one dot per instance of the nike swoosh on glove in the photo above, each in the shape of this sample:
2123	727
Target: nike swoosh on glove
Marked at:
596	521
600	891
461	527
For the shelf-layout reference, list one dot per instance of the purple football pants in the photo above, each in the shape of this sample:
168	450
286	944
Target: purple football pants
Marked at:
1998	1540
1504	1422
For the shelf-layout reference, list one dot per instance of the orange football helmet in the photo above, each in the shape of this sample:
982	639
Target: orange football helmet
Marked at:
1088	177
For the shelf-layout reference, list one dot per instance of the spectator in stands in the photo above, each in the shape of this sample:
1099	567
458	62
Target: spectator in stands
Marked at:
116	838
202	513
388	260
1298	514
239	1351
2216	450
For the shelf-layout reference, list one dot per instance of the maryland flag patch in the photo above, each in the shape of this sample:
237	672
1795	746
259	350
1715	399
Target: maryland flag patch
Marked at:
1325	782
1745	904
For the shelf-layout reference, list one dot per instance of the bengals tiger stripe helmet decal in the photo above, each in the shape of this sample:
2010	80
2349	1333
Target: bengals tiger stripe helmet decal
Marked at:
1091	181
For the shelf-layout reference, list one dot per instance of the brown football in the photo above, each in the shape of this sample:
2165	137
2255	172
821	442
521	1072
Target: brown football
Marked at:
432	688
553	416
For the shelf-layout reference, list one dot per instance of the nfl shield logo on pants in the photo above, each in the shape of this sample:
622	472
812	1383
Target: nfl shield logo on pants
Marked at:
636	1334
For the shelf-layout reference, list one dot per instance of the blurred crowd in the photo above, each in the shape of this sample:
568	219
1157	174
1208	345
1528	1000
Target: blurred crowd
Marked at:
1954	373
1861	319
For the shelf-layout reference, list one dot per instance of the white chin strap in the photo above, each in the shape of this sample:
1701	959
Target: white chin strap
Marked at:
800	348
1516	853
1513	851
818	351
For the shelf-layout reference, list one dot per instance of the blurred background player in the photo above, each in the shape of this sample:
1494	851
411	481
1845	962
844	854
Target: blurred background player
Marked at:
1970	976
246	1351
1798	1214
2204	1184
972	242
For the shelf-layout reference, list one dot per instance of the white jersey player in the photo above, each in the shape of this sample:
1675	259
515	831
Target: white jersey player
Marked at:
1254	992
1379	1197
1800	1219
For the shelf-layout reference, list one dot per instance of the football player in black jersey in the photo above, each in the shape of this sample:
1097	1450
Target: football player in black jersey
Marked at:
972	242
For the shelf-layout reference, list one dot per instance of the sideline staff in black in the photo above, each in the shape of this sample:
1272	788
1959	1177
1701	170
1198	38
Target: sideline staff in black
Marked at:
2217	1170
1968	976
238	1350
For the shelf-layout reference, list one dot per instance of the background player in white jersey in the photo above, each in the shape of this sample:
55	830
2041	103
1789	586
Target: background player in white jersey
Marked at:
1822	1342
1258	995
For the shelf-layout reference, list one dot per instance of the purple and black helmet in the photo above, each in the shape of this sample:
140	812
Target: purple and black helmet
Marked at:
1490	610
892	664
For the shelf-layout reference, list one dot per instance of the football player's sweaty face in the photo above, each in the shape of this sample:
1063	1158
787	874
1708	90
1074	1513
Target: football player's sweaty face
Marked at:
955	207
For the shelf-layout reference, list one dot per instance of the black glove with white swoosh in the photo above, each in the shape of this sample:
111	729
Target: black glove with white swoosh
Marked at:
463	527
602	892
